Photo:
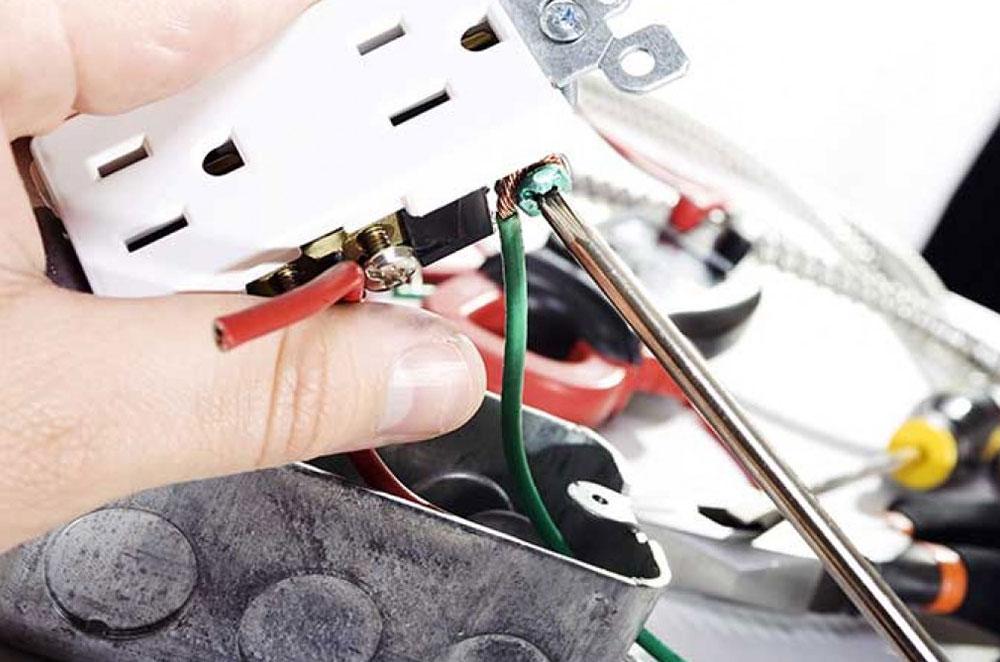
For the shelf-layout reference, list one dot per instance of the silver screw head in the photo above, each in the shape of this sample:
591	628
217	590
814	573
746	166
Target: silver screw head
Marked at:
564	21
390	267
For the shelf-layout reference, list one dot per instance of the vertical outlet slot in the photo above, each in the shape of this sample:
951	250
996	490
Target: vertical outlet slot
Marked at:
128	153
223	159
480	37
418	109
382	39
153	235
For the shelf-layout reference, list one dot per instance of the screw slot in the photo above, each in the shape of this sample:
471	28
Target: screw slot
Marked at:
386	265
564	21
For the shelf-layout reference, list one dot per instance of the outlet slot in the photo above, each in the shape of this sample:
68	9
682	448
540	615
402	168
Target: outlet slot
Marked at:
153	235
480	37
223	159
129	153
382	39
420	108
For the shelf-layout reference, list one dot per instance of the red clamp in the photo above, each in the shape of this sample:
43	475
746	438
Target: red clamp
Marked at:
585	387
688	214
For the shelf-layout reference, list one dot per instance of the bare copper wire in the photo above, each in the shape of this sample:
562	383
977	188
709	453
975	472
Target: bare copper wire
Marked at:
506	188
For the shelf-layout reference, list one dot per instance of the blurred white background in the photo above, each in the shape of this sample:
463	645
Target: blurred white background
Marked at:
883	105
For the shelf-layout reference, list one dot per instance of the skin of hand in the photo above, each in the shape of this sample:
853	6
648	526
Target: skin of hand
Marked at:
105	397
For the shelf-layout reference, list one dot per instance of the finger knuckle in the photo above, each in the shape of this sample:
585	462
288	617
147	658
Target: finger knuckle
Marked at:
302	400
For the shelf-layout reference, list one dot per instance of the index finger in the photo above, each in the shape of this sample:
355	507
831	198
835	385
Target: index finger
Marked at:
106	56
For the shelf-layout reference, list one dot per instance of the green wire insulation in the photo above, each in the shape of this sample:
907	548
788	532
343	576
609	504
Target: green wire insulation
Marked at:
515	348
650	643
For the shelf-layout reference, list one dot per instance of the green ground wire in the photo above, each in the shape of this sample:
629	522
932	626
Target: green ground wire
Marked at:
515	349
650	643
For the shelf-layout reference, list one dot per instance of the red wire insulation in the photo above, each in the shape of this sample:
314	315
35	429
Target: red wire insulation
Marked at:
343	282
655	169
377	474
696	201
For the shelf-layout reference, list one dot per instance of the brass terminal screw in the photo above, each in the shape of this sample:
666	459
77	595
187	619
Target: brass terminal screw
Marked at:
374	239
386	265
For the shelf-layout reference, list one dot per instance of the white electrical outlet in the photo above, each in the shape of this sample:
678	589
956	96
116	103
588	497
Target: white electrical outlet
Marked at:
358	110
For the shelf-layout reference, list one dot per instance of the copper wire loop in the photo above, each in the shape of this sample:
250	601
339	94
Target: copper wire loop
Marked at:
506	188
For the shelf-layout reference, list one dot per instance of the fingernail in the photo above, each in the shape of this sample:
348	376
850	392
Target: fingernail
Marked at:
433	388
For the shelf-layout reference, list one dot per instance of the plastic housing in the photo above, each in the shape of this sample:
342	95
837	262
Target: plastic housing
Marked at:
322	120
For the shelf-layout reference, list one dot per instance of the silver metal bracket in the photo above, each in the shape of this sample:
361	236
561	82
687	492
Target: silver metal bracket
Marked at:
572	37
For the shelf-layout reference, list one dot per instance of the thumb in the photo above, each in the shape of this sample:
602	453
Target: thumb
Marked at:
108	397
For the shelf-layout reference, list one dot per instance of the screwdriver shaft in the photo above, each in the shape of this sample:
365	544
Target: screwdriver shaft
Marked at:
688	369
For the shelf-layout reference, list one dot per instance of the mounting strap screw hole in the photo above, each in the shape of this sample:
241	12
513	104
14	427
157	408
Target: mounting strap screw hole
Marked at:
638	62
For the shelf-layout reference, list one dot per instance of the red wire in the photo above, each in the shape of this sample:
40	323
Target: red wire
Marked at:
657	170
343	282
377	474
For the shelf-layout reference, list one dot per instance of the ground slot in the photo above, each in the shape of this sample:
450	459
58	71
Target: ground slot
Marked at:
223	159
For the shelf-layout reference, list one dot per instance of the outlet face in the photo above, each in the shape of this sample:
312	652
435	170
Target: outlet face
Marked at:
357	111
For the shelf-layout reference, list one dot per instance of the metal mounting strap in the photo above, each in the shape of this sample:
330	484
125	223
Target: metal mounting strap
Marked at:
572	37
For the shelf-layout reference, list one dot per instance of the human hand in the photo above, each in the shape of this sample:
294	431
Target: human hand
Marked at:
102	397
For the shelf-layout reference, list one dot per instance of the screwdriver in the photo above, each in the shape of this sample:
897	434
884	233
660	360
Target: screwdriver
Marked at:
946	437
954	432
955	520
935	578
960	581
854	574
955	580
